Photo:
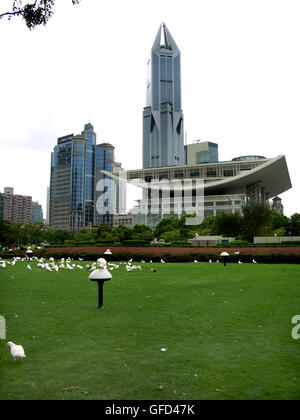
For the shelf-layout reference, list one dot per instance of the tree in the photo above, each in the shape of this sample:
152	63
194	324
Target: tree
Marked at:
35	13
4	232
105	233
122	233
32	232
208	227
294	225
84	235
279	220
257	220
171	235
142	232
165	225
229	224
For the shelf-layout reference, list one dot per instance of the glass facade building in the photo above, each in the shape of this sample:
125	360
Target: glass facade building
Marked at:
77	183
104	184
37	212
163	139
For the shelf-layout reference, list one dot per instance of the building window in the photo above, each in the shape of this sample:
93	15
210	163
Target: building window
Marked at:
211	172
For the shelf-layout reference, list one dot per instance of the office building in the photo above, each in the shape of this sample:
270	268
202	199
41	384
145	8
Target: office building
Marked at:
163	139
104	191
37	212
80	193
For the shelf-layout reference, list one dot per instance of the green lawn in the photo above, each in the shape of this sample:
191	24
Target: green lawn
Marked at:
227	331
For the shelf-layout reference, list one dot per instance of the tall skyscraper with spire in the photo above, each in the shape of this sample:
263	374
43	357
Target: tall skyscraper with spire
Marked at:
163	138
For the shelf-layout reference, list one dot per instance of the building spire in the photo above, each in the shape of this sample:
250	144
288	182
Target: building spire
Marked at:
164	39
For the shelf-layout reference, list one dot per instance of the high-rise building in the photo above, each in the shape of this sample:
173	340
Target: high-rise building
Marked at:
163	138
80	193
90	136
104	184
120	191
48	205
14	207
37	212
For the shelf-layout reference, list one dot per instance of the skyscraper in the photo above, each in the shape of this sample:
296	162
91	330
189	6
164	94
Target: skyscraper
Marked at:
37	212
78	197
104	185
163	140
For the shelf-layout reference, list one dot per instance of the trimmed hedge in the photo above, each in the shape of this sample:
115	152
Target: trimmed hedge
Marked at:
135	242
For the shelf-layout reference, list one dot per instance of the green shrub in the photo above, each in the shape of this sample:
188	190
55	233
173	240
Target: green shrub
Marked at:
240	242
135	242
180	243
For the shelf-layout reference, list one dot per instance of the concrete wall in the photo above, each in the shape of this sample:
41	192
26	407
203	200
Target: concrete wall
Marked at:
275	239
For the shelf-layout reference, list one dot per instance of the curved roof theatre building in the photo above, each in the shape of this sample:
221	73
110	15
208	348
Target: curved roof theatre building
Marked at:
172	173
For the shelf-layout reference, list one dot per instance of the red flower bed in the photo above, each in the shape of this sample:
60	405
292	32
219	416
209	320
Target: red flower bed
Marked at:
153	252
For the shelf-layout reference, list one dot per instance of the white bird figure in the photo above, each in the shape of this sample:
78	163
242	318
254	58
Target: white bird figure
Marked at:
28	267
195	261
162	261
237	252
130	261
16	351
210	261
142	261
3	264
48	268
217	261
240	262
254	262
55	267
62	266
150	261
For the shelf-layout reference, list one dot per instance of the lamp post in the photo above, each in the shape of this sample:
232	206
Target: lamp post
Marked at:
29	253
100	275
108	254
224	255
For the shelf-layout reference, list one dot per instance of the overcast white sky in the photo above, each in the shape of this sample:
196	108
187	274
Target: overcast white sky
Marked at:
240	81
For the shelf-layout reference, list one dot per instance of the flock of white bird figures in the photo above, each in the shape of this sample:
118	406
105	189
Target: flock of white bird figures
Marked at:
68	264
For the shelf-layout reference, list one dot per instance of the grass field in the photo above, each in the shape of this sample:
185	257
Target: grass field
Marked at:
227	331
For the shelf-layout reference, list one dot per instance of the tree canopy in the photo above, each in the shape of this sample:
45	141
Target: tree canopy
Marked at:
34	13
257	220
